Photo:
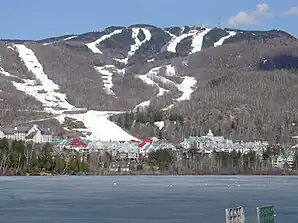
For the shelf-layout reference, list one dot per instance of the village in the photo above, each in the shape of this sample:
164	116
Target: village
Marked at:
123	153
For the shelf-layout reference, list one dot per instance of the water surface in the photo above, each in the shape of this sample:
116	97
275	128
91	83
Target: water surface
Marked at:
146	199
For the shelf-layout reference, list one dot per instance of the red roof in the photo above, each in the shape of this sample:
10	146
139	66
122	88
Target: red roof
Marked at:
144	142
77	143
134	140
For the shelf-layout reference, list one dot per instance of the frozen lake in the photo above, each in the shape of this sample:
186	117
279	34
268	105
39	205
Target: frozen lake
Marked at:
146	199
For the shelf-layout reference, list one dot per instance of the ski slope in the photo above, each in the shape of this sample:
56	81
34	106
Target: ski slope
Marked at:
176	40
221	40
46	91
197	41
138	43
93	45
100	127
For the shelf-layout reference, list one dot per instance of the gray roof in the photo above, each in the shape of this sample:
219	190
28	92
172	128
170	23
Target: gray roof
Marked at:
23	129
46	131
12	130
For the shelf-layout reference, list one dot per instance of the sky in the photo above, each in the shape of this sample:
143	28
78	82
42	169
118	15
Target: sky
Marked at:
37	19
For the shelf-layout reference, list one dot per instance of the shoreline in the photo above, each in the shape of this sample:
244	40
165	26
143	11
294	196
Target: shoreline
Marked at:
156	175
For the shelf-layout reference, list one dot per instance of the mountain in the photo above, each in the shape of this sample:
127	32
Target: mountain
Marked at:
189	78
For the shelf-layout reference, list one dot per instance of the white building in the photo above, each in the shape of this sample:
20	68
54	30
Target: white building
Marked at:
34	134
209	142
281	160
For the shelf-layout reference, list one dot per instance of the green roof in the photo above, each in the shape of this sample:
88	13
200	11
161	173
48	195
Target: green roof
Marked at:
194	139
66	142
85	141
57	141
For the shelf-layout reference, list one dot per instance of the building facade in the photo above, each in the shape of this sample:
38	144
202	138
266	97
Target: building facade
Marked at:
27	133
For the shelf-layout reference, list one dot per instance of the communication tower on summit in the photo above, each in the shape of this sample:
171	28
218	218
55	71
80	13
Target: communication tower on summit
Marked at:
219	22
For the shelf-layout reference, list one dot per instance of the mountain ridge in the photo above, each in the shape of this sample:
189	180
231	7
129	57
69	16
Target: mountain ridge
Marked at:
131	68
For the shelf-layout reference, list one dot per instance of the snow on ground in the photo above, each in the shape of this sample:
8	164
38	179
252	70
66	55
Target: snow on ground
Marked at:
170	70
107	72
5	73
171	34
175	41
45	90
112	68
187	88
197	41
148	79
107	79
69	38
142	105
138	43
160	124
220	42
150	60
168	107
100	127
92	46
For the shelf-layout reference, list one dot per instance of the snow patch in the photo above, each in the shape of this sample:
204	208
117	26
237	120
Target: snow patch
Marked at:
160	124
142	105
69	38
221	40
5	73
92	46
150	60
197	41
170	70
168	107
107	72
185	63
187	88
107	79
